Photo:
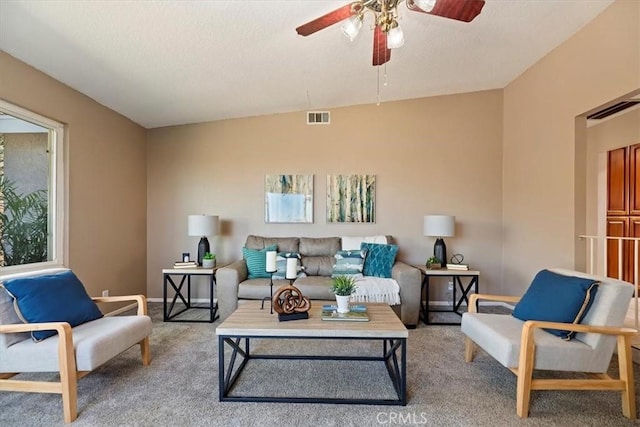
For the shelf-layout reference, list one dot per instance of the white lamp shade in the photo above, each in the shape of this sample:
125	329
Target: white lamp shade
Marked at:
426	5
395	38
203	225
439	225
351	27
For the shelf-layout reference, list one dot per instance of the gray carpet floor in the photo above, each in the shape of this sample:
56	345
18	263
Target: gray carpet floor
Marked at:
180	387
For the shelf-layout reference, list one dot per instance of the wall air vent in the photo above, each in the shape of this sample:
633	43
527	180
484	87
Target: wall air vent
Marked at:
616	108
318	117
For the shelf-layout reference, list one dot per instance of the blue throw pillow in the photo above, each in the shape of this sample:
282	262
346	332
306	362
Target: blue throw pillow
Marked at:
555	297
257	261
379	260
56	297
349	263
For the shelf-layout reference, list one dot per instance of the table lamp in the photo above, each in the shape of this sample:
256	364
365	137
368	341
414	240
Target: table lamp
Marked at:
203	226
439	226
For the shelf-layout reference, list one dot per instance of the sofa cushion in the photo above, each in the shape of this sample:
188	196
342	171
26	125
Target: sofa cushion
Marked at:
315	288
349	263
256	260
556	298
281	265
379	260
323	246
59	297
283	244
318	265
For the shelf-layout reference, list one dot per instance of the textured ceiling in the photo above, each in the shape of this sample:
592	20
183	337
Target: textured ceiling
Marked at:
164	63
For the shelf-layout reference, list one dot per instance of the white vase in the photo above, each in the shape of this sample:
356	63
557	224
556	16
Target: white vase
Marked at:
208	263
343	303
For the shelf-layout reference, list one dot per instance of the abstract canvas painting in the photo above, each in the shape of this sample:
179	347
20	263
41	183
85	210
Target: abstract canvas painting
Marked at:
288	199
351	198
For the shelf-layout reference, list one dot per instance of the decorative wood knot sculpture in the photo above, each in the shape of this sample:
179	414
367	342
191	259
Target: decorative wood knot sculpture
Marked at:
290	304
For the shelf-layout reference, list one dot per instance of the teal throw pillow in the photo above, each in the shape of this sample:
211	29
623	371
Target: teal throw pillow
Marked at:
58	297
257	261
379	260
349	263
281	265
555	297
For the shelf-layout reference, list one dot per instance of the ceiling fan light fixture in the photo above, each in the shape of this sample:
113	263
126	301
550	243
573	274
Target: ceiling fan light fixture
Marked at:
395	37
351	27
426	5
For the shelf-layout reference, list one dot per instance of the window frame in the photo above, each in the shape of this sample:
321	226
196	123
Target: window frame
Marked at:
58	245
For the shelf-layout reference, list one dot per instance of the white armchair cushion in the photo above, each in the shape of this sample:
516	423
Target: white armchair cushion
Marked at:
94	342
500	336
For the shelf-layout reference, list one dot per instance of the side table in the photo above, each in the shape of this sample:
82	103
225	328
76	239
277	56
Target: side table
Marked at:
185	275
473	277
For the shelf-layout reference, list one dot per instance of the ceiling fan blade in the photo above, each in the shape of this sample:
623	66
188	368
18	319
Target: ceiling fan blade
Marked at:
380	52
324	21
461	10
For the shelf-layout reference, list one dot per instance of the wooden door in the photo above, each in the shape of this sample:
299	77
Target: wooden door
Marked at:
617	227
617	182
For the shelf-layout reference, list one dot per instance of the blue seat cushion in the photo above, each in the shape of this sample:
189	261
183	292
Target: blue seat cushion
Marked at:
58	297
555	297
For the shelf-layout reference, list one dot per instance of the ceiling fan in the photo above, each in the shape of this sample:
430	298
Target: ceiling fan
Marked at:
387	33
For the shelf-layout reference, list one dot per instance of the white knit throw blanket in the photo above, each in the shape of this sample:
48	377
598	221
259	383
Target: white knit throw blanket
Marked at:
376	289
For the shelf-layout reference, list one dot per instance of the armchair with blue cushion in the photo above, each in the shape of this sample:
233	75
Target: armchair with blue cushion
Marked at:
48	323
566	321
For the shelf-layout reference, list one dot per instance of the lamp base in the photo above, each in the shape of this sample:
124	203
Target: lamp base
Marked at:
440	251
203	247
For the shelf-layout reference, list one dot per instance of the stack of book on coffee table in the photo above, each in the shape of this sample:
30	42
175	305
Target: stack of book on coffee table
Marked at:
357	313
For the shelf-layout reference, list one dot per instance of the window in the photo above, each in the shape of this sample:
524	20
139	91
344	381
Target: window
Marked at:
31	190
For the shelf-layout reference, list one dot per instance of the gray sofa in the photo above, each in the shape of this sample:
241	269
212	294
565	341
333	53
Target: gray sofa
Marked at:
318	259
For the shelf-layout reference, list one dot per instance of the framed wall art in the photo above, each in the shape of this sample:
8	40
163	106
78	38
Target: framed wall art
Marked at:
351	198
288	199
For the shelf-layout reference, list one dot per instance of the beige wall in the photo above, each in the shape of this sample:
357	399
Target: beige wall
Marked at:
106	179
544	195
430	155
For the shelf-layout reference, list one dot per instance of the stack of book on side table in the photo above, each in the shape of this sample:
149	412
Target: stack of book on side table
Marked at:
185	264
463	267
357	313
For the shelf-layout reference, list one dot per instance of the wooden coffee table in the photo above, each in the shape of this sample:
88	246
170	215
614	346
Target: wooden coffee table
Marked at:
248	322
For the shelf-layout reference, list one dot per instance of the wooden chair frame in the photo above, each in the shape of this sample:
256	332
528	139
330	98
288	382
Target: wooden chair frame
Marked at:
67	386
598	381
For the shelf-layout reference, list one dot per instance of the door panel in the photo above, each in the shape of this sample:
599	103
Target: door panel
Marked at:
617	182
634	180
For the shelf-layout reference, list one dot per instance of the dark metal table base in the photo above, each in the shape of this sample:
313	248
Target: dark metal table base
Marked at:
227	376
457	302
169	316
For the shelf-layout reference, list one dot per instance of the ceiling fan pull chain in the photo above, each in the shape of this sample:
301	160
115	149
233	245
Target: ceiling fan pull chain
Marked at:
385	74
378	92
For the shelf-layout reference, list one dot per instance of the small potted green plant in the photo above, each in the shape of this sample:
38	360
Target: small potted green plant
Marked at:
433	263
208	260
343	287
